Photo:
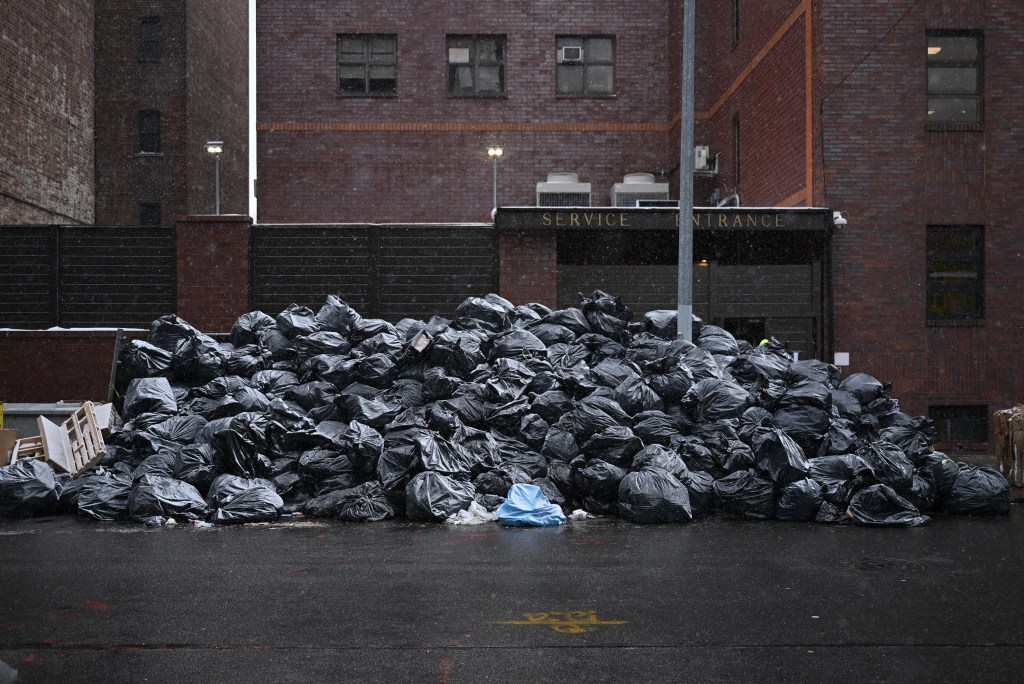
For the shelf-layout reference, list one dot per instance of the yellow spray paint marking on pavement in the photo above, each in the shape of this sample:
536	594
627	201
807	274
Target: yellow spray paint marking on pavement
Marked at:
571	622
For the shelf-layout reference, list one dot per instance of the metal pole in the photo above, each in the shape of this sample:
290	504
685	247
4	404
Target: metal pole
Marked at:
684	293
216	184
494	196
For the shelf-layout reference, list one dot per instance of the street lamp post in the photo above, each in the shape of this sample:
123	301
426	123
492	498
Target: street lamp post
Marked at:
684	292
215	148
494	153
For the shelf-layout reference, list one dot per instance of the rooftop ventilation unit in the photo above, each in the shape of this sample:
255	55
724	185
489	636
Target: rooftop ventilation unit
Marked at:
563	190
636	187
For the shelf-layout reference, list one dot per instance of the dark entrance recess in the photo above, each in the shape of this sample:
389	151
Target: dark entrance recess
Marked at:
755	284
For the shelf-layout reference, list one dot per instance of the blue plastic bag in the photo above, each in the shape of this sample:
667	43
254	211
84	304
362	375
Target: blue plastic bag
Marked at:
526	506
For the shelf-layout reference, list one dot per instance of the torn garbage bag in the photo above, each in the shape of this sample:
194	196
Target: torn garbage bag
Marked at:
526	506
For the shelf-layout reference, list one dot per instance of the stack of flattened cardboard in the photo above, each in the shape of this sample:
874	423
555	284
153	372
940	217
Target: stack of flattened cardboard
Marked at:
1010	444
73	446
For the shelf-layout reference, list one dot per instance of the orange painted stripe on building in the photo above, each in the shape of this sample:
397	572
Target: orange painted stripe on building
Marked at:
758	58
463	126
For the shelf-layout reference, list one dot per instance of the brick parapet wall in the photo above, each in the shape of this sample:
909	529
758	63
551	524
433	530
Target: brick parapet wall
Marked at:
528	270
213	270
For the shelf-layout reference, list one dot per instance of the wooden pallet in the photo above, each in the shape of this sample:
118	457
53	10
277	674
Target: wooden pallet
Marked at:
28	447
77	444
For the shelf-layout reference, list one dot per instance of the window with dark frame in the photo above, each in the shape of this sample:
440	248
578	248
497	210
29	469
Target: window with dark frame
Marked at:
149	214
150	32
955	257
585	65
960	423
149	131
476	65
954	77
368	64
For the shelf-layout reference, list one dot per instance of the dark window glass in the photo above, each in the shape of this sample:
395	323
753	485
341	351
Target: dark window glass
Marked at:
954	77
368	65
149	39
955	272
960	423
149	131
476	66
149	214
585	65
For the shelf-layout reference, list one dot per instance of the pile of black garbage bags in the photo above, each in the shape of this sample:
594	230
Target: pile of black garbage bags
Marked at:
331	414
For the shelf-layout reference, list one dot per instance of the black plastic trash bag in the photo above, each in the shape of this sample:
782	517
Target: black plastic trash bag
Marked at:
243	500
163	463
978	491
615	444
433	497
483	312
156	495
105	494
799	501
516	343
880	506
149	395
889	464
599	480
167	332
657	456
668	377
655	427
701	487
635	396
941	471
195	464
28	488
337	316
236	454
715	340
913	435
249	327
364	503
653	495
745	494
140	359
778	455
199	359
864	388
807	425
712	400
840	476
509	380
921	494
661	323
297	320
560	444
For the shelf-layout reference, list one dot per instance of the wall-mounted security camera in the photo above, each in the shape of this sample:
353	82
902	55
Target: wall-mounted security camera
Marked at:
838	219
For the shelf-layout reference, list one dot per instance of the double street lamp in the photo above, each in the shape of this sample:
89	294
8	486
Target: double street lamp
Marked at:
215	148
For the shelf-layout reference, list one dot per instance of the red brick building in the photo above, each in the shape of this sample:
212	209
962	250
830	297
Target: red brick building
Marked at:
900	114
46	110
170	76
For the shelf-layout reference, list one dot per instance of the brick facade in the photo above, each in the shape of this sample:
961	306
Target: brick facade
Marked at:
46	112
213	270
198	84
528	270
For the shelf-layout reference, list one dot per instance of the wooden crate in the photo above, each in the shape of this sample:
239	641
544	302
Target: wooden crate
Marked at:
28	447
77	444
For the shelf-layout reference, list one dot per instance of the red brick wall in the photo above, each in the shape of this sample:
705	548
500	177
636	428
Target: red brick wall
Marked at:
894	178
528	267
422	156
46	112
47	366
213	271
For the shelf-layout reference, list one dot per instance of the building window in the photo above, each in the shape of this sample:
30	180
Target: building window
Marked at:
149	214
149	131
586	65
955	272
476	66
368	64
149	39
954	77
960	423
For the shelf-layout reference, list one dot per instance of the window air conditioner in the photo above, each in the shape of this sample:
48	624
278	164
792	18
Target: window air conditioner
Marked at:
570	54
563	190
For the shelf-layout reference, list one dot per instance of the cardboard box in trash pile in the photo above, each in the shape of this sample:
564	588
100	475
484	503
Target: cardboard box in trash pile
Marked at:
1009	429
73	446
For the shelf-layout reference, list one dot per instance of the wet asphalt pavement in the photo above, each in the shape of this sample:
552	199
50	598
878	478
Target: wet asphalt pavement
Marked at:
598	600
